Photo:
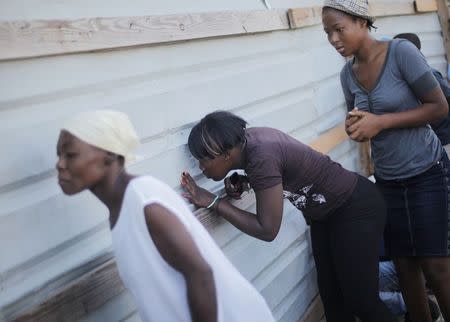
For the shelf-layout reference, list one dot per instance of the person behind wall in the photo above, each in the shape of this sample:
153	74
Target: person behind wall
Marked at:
165	257
345	210
392	96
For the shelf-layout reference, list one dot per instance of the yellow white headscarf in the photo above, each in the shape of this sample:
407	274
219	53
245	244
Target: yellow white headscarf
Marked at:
108	130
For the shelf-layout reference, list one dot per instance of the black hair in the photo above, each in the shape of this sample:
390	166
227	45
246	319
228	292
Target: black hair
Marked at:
215	134
411	37
370	24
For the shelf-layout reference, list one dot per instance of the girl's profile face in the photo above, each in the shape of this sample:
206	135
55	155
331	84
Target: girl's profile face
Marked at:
80	165
344	31
216	168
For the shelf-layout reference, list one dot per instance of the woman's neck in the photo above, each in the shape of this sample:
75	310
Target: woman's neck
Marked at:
239	156
112	189
368	50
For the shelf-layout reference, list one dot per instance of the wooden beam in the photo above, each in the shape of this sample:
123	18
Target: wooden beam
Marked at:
425	5
385	9
25	39
314	312
303	17
365	160
79	298
443	20
36	38
330	139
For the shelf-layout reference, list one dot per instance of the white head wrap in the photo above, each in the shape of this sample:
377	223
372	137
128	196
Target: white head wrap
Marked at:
105	129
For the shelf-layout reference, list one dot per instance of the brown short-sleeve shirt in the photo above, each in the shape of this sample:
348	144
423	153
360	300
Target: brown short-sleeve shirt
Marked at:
311	181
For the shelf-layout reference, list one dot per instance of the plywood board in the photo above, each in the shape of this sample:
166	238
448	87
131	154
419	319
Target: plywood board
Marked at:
315	311
384	9
330	139
303	17
23	39
78	298
365	160
35	38
425	5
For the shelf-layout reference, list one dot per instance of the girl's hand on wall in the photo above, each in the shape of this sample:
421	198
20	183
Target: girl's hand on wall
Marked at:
235	185
198	196
366	127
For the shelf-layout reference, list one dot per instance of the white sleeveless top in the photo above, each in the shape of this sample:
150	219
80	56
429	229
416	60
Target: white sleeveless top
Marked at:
158	289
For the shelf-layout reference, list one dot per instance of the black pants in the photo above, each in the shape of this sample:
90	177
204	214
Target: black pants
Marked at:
346	251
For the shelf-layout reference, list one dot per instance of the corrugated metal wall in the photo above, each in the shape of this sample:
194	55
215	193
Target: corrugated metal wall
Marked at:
286	79
427	27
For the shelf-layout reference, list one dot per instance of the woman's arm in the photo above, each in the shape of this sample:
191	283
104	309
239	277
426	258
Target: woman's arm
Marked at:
178	249
265	225
367	125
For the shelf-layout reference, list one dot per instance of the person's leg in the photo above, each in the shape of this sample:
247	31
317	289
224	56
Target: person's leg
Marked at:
355	232
417	226
332	299
437	274
413	288
429	215
446	163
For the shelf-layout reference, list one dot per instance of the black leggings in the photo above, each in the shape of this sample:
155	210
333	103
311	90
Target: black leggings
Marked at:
346	251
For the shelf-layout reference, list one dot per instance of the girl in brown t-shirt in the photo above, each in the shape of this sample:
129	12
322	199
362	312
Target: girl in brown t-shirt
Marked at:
346	212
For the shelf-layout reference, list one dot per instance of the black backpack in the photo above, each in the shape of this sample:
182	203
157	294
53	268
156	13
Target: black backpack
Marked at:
442	127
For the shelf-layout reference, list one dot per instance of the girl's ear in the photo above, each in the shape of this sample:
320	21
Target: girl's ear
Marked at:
226	155
363	22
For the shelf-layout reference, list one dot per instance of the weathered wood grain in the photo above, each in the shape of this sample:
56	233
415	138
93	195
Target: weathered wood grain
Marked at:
303	17
330	139
24	39
35	38
425	5
314	312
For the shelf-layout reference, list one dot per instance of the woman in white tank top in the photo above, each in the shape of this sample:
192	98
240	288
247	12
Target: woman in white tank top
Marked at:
165	257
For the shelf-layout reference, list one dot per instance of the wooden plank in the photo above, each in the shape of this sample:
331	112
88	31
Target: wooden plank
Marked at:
303	17
314	312
25	39
425	5
77	299
442	11
365	160
384	9
330	139
36	38
443	20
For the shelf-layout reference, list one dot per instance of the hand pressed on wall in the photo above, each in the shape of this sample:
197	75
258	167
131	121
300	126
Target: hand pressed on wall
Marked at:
199	196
